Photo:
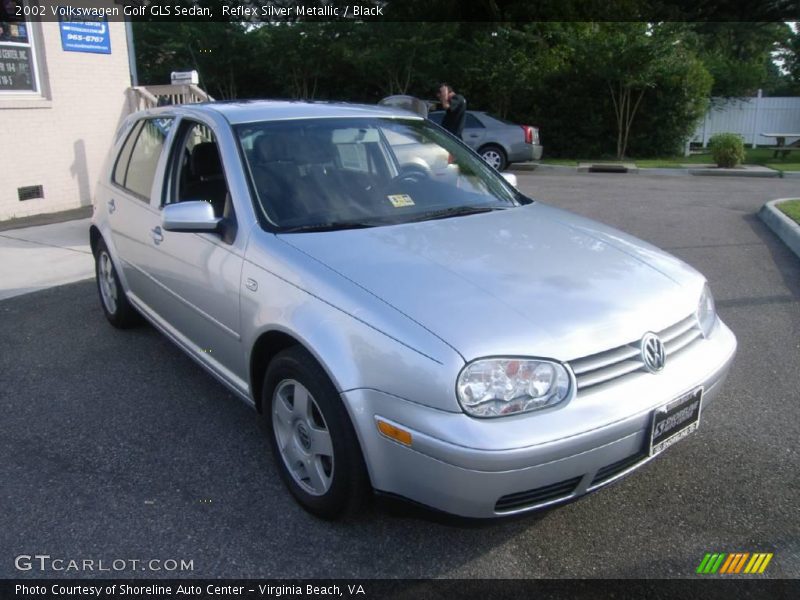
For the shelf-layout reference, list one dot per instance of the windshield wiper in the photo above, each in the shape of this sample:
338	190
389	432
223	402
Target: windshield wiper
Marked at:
455	211
333	226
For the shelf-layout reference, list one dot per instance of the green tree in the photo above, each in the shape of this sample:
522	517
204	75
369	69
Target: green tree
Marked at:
740	56
400	58
790	56
216	50
638	64
593	89
504	63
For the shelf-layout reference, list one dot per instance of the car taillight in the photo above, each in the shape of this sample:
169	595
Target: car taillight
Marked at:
528	133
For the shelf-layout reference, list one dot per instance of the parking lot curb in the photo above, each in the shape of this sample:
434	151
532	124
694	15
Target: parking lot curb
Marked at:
607	167
534	166
589	168
784	227
746	172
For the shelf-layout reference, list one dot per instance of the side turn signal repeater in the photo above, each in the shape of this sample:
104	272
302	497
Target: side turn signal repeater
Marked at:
394	433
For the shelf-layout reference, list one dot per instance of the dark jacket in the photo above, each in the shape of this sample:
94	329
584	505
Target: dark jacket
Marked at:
456	115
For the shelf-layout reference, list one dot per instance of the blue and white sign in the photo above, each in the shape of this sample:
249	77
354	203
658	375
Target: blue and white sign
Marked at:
85	36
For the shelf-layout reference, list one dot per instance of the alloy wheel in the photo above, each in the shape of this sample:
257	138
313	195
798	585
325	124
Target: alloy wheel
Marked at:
493	158
108	282
303	437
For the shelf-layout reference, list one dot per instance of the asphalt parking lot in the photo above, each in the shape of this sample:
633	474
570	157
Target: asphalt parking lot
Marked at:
114	445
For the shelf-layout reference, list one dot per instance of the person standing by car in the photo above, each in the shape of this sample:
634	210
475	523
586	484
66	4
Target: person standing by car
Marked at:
455	106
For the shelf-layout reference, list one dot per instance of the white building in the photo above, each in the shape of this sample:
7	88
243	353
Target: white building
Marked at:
63	92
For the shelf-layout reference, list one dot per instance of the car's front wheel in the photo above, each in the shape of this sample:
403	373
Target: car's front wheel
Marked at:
119	312
495	156
312	438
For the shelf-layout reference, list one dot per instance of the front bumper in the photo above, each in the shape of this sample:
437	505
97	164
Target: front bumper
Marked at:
480	467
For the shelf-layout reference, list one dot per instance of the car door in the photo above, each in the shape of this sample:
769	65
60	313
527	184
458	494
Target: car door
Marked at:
132	215
199	274
474	131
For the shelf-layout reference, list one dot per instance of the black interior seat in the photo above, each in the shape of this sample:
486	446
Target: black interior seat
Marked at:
275	174
207	181
342	193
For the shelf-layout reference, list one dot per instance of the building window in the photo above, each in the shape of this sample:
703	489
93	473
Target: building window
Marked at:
18	72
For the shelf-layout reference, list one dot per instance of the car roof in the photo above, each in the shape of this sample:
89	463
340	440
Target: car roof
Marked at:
250	111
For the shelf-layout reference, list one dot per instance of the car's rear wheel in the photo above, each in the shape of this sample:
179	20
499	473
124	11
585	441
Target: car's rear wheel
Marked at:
119	312
495	156
312	438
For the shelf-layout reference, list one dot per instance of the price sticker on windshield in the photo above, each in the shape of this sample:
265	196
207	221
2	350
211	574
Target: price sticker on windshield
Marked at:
400	200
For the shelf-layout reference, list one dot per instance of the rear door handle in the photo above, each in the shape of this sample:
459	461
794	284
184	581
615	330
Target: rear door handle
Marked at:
158	237
111	206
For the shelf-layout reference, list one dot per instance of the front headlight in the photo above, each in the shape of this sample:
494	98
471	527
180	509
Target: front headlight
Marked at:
706	312
497	387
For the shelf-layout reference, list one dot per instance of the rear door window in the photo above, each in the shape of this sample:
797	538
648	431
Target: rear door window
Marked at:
472	122
138	160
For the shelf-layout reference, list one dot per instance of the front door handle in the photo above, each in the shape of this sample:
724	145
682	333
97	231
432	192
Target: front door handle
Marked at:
158	237
111	206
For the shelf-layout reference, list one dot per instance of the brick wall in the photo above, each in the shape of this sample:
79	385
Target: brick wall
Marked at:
59	139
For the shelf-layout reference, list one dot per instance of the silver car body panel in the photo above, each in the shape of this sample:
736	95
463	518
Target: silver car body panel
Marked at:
361	340
500	296
394	313
463	465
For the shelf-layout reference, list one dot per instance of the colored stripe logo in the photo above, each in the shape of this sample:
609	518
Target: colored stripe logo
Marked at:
734	563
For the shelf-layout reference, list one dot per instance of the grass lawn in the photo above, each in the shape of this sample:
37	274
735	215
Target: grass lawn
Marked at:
790	208
758	156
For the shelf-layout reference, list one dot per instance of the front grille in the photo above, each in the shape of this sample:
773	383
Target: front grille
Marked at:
624	360
614	469
537	496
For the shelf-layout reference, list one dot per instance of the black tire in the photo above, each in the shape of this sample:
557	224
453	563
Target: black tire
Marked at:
494	155
118	310
344	474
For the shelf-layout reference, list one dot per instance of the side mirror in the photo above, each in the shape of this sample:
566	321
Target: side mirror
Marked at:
510	178
193	215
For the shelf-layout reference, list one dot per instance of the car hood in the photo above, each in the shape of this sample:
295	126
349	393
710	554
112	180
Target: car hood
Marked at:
531	281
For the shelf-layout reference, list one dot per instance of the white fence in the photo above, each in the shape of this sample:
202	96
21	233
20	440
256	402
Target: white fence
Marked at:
750	117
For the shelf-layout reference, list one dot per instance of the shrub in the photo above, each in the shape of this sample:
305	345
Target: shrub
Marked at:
727	149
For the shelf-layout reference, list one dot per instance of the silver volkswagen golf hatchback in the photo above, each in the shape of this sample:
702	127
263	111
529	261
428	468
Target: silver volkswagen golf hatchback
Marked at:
404	318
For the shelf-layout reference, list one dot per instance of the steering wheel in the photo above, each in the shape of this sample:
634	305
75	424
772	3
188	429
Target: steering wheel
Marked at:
410	175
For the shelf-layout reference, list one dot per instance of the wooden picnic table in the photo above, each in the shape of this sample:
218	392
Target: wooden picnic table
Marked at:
780	146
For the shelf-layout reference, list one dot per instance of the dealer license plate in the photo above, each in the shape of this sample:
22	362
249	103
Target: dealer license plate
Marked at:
675	420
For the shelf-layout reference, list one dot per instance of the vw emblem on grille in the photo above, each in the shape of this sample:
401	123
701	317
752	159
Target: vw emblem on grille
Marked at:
653	353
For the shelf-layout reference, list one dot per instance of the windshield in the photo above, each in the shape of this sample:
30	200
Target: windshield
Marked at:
317	174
